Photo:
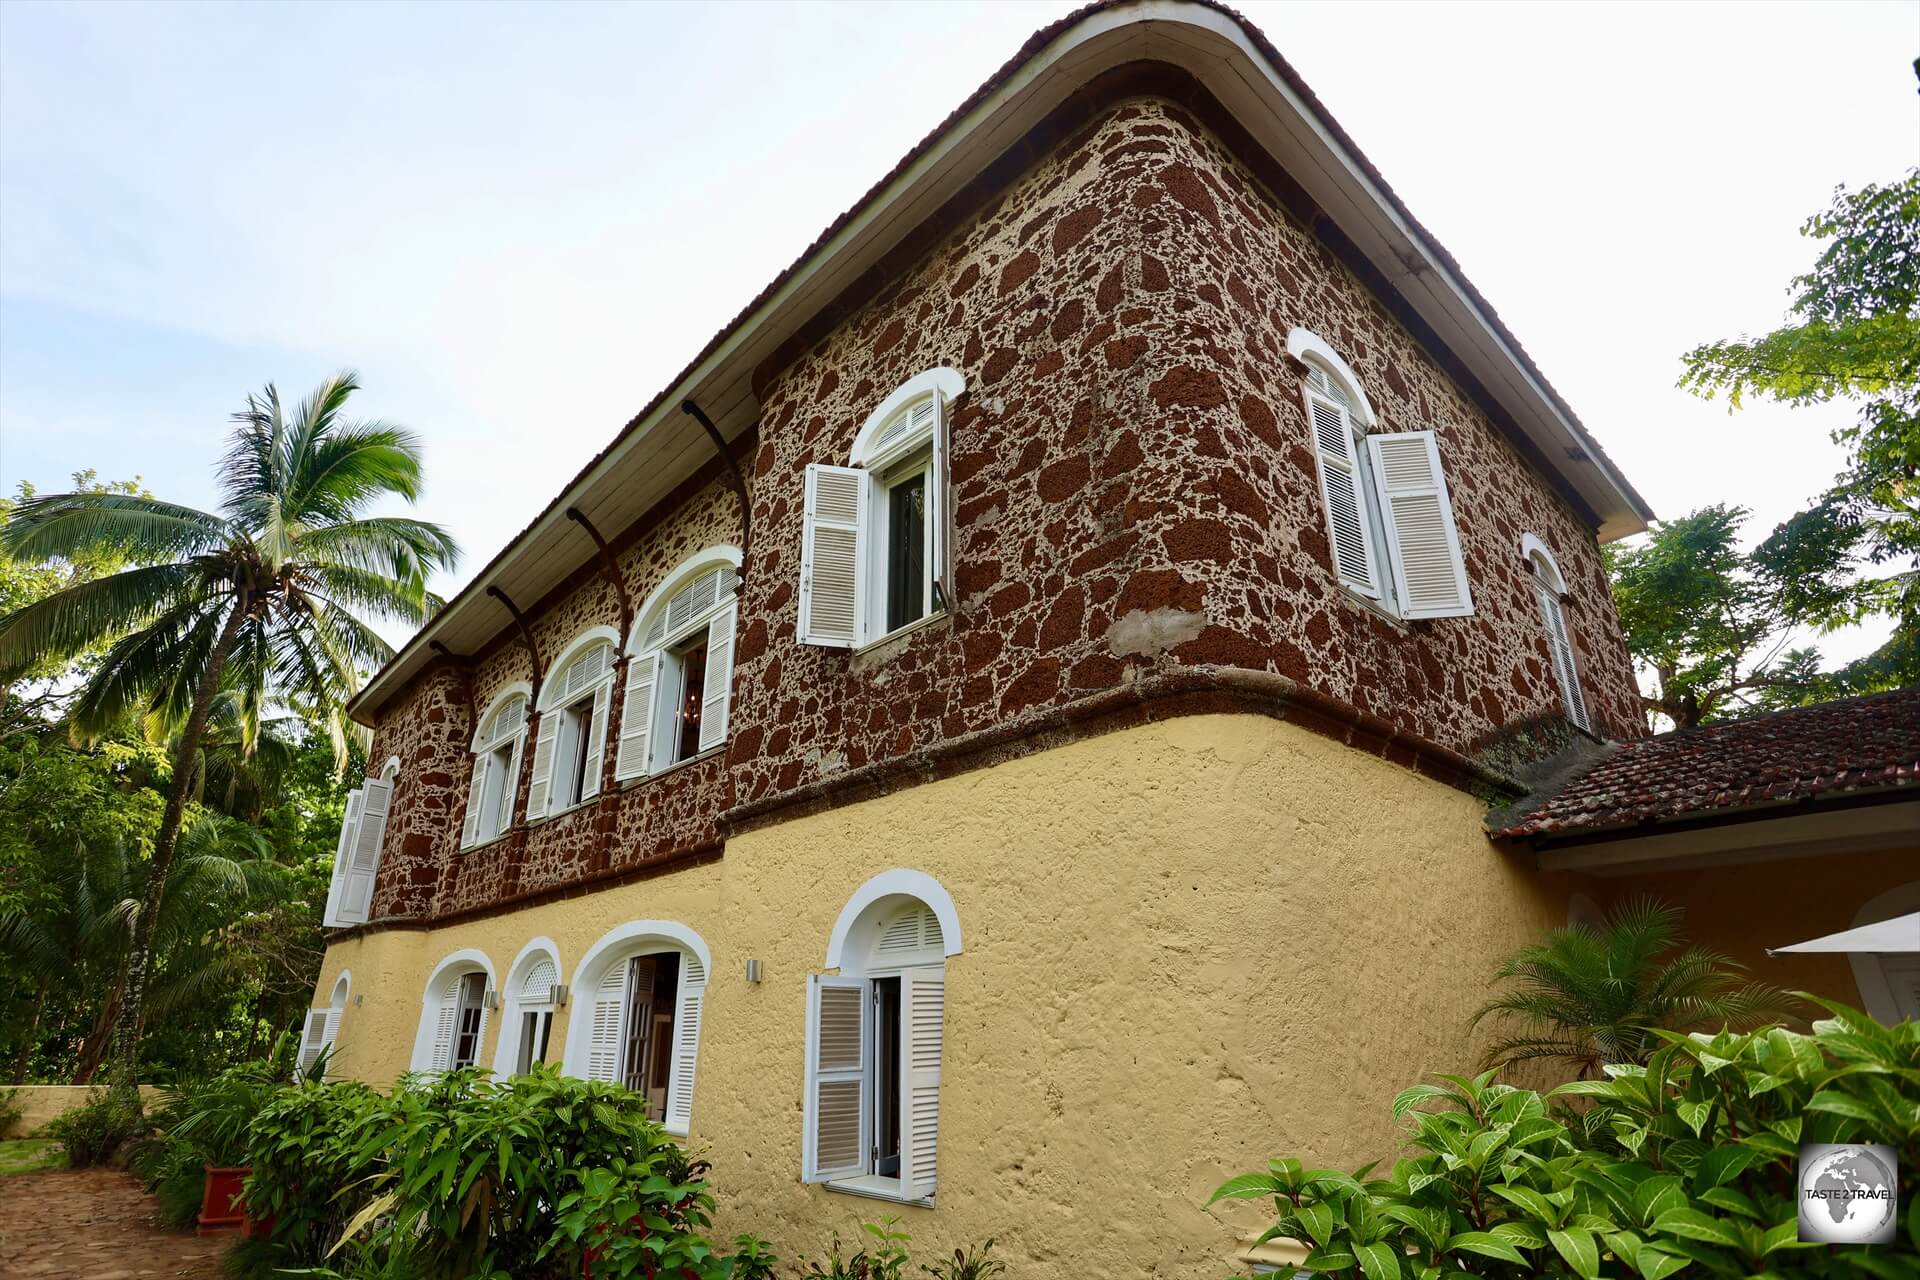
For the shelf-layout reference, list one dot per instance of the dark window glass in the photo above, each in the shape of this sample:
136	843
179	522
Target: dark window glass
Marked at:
886	1072
906	550
693	683
653	983
580	725
466	1028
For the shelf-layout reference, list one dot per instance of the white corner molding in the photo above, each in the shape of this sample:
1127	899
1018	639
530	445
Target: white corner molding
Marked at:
898	883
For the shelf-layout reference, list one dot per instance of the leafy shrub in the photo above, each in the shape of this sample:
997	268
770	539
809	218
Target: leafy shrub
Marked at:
882	1257
1685	1162
968	1264
11	1109
94	1132
309	1171
753	1259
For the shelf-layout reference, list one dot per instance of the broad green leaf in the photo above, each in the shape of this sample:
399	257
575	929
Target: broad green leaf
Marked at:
1579	1249
1691	1224
1487	1245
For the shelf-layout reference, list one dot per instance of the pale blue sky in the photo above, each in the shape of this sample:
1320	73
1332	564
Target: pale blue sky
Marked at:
519	221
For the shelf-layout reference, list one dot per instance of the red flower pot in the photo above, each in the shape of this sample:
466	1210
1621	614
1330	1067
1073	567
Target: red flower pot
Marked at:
222	1209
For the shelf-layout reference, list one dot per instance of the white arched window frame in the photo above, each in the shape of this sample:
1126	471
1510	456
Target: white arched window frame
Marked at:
1549	586
1889	982
875	1030
574	700
680	667
628	1029
876	551
356	856
454	1013
1390	523
531	996
497	745
322	1031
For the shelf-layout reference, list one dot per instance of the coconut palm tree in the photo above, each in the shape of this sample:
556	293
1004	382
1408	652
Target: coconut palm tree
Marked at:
270	599
1591	995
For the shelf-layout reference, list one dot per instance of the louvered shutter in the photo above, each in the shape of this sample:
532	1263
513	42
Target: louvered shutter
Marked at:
940	489
686	1044
596	741
636	717
446	1016
1560	647
542	783
1340	492
356	895
923	1002
312	1036
1429	573
476	800
330	1036
715	696
832	550
605	1030
342	852
834	1139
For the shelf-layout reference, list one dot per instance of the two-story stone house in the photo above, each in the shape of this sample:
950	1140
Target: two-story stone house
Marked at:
1008	731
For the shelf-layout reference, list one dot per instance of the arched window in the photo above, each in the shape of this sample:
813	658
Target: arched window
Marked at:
680	675
573	725
322	1032
532	993
1548	587
453	1013
636	1020
1390	525
496	767
874	1035
876	552
1889	982
356	857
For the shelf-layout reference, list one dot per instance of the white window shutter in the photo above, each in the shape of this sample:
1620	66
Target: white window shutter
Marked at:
636	717
330	1035
715	696
312	1037
476	800
363	864
1341	494
608	1024
686	1044
596	741
1560	646
342	851
542	783
923	1003
446	1016
941	514
833	551
1429	572
834	1140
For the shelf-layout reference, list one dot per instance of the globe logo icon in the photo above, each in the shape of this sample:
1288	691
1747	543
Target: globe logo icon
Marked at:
1849	1193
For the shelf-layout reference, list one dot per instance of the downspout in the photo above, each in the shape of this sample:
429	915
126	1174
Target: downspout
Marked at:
694	411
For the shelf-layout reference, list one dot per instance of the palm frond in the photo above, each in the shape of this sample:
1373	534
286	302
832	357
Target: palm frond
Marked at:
87	614
75	525
145	673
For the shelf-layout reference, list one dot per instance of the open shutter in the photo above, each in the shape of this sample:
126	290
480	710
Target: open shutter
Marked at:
1560	647
542	783
446	1020
1340	493
686	1044
476	800
596	741
1429	572
833	548
923	1003
605	1031
356	894
940	488
719	684
834	1141
330	1034
312	1037
342	852
636	717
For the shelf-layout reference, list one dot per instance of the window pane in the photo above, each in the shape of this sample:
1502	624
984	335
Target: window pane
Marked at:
906	551
578	727
693	683
886	1077
466	1029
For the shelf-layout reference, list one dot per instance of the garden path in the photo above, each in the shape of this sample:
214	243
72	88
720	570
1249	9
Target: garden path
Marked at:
95	1223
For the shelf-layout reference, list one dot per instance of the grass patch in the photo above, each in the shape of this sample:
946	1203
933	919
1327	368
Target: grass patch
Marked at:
26	1155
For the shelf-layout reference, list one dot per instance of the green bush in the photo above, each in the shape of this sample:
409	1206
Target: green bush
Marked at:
1685	1163
10	1110
882	1256
93	1132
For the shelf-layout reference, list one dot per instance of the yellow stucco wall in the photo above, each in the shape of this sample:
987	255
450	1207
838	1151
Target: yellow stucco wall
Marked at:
1188	946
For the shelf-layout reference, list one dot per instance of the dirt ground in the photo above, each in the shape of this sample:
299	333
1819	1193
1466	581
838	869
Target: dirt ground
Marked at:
97	1224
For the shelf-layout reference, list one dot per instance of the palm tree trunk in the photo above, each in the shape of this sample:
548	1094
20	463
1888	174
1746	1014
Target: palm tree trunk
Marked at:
126	1043
31	1037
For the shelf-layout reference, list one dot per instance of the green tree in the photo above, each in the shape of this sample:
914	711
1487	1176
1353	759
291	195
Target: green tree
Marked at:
1853	332
1707	621
264	599
1591	997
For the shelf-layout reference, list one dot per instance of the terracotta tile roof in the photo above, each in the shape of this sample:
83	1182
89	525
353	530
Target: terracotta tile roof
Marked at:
1854	745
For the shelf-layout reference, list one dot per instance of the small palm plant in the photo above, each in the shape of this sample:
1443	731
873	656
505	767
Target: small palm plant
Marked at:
1589	996
268	601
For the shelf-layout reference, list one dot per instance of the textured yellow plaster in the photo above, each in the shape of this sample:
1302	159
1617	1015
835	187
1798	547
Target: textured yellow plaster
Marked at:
1188	946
